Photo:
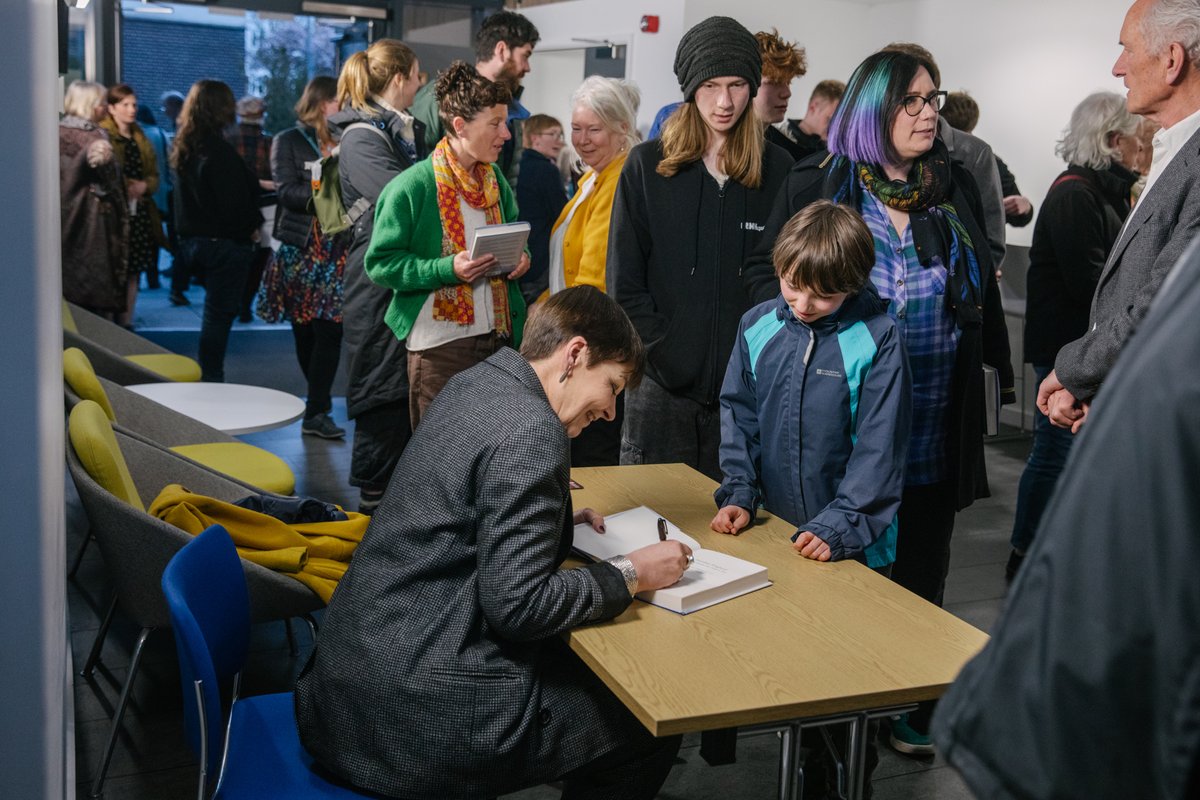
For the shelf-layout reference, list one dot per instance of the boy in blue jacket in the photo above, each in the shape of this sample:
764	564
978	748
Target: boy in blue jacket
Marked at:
817	399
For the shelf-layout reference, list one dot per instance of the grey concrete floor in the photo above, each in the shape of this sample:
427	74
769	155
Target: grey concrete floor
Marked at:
152	759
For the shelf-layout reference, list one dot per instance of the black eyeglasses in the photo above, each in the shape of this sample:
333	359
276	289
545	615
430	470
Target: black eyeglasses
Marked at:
914	104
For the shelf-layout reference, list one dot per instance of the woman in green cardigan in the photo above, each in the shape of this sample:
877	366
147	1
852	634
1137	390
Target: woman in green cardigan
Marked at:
450	312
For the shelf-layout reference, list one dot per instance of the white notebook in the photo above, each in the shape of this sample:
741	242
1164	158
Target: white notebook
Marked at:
505	241
713	578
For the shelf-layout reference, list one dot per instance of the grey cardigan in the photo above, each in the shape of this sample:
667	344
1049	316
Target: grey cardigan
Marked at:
1162	224
439	671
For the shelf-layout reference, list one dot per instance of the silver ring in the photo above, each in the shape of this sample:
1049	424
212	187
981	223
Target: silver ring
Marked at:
691	559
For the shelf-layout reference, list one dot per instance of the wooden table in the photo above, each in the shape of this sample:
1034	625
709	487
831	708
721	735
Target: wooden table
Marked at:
234	408
828	641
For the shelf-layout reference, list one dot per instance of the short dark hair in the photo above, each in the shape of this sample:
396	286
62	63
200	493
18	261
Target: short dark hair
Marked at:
830	90
588	312
826	248
922	55
961	111
462	92
514	29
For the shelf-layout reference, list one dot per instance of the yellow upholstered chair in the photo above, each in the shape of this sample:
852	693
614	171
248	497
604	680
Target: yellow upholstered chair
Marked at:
160	425
120	355
113	471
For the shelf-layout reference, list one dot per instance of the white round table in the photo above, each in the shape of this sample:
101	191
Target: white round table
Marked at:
234	408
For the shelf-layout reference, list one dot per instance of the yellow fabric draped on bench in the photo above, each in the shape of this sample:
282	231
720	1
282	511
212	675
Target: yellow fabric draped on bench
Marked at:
314	553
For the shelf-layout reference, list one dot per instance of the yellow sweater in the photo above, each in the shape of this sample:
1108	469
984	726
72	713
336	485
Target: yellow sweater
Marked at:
585	244
314	553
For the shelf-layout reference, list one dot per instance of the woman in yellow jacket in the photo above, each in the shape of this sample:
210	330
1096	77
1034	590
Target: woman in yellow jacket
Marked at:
603	129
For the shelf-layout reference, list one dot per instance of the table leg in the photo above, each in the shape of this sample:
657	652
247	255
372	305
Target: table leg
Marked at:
787	762
856	757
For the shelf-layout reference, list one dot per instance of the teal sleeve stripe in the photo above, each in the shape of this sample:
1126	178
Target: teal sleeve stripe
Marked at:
882	551
858	353
757	336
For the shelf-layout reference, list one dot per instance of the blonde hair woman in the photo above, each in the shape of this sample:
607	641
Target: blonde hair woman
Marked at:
689	208
375	89
95	216
603	130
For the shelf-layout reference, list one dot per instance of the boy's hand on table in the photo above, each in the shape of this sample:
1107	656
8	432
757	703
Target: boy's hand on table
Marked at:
730	519
809	545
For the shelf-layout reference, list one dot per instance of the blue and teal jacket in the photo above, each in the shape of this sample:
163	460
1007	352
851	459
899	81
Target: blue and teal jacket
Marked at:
815	423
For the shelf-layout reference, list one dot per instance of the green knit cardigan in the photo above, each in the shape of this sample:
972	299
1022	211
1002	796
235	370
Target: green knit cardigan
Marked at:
405	254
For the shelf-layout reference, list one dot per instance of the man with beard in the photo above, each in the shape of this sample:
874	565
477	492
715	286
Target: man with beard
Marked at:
503	46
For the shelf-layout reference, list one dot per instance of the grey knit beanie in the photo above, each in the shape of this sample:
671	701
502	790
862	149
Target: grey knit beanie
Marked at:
715	48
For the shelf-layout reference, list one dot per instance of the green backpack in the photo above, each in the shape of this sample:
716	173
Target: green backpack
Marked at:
331	213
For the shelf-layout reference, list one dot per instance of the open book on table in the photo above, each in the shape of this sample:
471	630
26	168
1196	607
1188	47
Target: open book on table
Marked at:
713	578
505	241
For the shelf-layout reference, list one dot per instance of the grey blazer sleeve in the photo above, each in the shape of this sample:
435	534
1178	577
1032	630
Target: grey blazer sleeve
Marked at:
523	593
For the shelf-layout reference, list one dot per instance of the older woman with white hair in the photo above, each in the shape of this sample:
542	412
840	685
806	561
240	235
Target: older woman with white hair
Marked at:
1079	222
603	129
95	214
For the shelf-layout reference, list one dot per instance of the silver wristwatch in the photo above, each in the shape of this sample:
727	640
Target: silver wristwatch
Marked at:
627	572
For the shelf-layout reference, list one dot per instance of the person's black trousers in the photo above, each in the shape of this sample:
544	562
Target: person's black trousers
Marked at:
318	349
225	264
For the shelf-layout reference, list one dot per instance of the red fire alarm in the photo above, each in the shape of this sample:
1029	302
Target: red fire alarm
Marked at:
650	23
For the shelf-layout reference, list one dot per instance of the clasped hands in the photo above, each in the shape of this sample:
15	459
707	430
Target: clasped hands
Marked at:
1060	406
734	519
470	270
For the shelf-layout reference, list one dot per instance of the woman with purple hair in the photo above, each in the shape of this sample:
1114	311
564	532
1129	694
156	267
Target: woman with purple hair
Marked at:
934	270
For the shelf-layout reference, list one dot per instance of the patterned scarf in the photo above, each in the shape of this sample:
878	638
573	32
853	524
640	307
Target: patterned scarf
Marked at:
480	189
927	198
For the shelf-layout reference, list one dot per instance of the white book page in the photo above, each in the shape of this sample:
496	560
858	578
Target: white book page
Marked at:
506	242
627	531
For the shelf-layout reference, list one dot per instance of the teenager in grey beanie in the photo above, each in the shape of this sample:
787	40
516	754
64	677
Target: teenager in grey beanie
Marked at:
715	48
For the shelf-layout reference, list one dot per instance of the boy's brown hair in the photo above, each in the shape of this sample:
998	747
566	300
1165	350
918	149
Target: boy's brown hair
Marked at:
538	123
825	248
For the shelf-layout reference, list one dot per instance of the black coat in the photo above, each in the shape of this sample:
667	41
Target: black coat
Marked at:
1090	685
819	177
378	371
1081	217
541	196
675	252
216	195
290	152
794	149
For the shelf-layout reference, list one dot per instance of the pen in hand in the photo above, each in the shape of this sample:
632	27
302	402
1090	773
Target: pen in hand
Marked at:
662	529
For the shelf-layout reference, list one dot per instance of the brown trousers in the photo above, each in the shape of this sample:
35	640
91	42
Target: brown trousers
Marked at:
428	370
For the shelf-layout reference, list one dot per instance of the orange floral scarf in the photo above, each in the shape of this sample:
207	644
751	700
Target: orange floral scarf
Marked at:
480	189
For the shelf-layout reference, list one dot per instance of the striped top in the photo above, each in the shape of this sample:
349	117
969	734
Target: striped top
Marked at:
915	297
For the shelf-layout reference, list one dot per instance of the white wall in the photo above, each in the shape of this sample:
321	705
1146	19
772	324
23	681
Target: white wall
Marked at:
36	742
1027	62
649	56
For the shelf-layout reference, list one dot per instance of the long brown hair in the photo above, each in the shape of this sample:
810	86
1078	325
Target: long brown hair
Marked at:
685	138
207	109
369	71
309	108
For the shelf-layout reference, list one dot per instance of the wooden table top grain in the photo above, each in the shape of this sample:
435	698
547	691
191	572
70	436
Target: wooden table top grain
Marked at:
826	638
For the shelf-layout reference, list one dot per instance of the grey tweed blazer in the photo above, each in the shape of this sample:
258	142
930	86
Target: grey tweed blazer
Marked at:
1162	224
439	671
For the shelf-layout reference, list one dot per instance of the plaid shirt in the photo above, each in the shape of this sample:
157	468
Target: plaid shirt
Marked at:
254	147
915	295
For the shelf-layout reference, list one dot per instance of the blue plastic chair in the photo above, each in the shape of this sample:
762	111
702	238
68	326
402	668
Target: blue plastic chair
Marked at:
255	751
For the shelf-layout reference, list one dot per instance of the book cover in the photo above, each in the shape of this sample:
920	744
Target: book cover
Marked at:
505	241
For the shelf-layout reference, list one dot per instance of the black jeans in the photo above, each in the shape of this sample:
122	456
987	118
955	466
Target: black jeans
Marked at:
225	263
923	555
318	349
380	435
663	428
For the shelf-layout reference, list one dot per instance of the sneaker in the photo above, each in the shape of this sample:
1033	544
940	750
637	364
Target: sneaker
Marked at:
321	425
905	739
179	299
368	501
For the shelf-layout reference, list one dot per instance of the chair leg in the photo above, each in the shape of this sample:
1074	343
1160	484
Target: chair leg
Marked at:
93	658
83	546
312	626
119	713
